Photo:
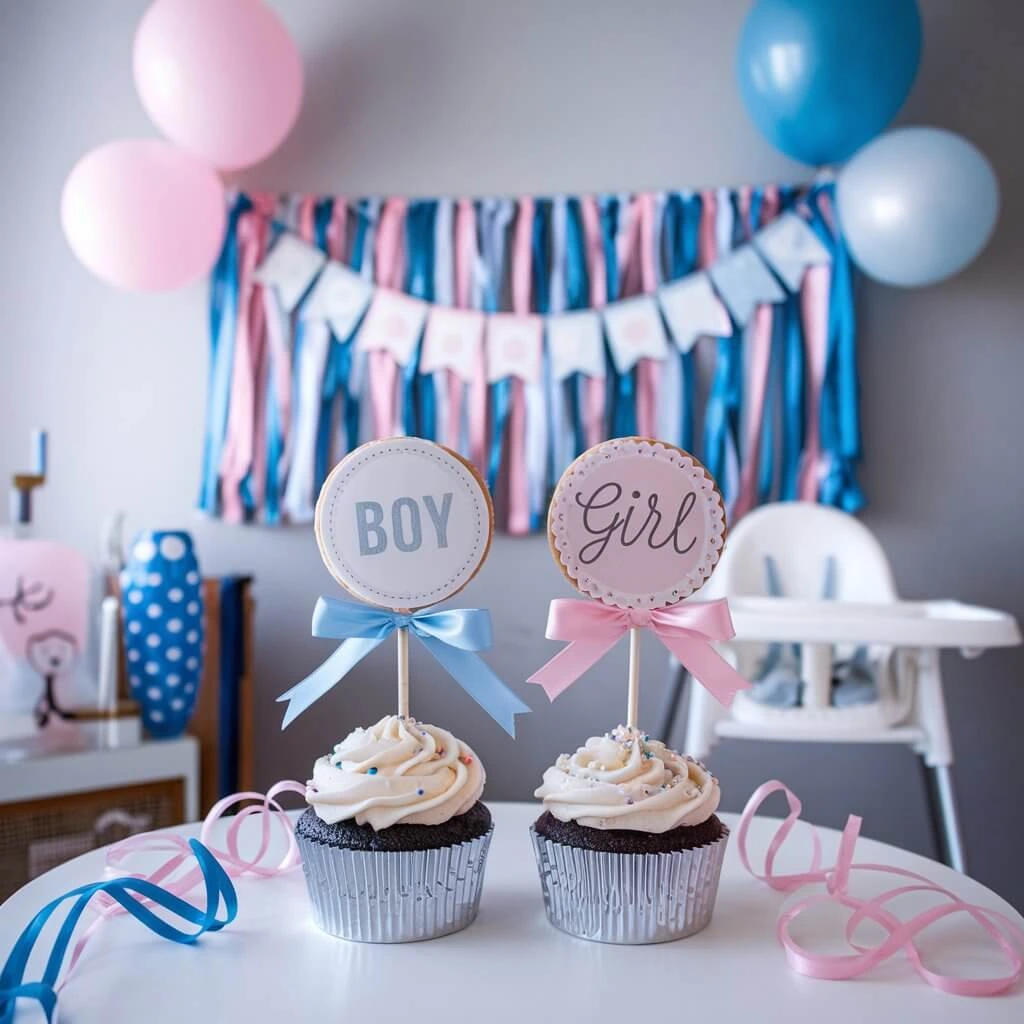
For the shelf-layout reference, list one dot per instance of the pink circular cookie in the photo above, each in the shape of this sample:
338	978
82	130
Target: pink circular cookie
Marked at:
636	523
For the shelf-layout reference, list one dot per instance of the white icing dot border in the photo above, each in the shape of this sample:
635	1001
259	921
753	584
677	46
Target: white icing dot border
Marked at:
627	448
403	599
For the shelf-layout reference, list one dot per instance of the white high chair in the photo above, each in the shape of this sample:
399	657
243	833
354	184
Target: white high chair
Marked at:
801	537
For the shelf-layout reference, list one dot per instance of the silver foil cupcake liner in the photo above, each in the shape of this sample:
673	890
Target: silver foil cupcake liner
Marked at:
408	896
629	898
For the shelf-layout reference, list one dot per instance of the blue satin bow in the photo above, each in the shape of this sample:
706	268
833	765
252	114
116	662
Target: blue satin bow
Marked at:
452	635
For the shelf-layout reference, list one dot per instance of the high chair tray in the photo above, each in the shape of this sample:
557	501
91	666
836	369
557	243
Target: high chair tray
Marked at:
895	623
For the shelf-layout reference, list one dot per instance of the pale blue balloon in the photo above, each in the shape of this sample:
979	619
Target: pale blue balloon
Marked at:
916	205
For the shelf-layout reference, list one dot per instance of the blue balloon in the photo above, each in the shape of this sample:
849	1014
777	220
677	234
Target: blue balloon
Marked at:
822	77
916	205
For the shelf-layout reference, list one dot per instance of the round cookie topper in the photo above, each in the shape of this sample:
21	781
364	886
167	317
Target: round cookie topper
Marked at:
636	523
403	523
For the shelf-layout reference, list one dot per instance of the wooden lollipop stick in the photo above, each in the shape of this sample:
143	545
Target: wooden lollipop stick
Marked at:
403	672
633	709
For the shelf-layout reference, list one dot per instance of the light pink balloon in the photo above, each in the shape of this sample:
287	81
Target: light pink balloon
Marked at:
222	78
144	214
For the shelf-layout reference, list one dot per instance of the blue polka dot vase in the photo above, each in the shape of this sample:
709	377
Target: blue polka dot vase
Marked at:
162	612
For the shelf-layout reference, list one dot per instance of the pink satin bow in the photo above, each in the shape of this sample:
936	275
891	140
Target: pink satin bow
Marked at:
688	630
900	934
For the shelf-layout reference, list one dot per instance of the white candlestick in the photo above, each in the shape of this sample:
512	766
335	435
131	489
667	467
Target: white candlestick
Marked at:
109	634
39	452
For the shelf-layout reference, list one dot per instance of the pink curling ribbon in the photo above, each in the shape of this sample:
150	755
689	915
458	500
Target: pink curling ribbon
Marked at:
518	475
900	934
239	443
466	255
389	272
594	387
646	369
169	875
592	629
759	338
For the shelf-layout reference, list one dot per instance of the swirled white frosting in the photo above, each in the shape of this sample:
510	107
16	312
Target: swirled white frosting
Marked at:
397	771
626	780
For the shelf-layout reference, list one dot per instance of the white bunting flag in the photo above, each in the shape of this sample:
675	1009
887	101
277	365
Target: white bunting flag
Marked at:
576	344
340	296
693	310
744	283
635	331
290	267
452	341
514	346
393	323
791	245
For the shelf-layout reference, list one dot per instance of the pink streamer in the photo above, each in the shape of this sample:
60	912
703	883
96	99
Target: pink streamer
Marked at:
594	387
760	340
169	875
814	299
646	369
337	237
281	370
900	934
688	630
389	272
518	477
247	368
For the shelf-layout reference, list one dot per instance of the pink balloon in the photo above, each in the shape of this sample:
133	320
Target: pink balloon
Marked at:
222	78
144	214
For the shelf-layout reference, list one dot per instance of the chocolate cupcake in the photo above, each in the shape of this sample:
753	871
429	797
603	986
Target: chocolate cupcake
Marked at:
395	840
629	847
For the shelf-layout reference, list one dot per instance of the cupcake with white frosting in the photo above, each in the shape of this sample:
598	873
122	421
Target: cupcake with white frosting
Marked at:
395	839
628	846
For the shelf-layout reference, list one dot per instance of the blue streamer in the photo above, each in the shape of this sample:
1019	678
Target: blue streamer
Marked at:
577	290
129	893
493	219
542	304
452	635
622	393
419	415
684	258
223	315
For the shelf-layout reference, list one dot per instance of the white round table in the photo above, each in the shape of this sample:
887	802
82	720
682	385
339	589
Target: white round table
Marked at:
273	965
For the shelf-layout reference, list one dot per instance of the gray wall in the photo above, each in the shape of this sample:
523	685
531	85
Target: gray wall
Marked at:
449	97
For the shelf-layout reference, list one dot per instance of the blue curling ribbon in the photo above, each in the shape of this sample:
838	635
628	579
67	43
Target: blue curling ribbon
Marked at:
419	417
452	635
223	315
129	893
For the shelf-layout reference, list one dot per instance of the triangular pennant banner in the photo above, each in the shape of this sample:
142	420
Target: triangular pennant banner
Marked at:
576	344
514	346
340	296
693	310
790	245
393	323
452	341
635	331
744	283
290	267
